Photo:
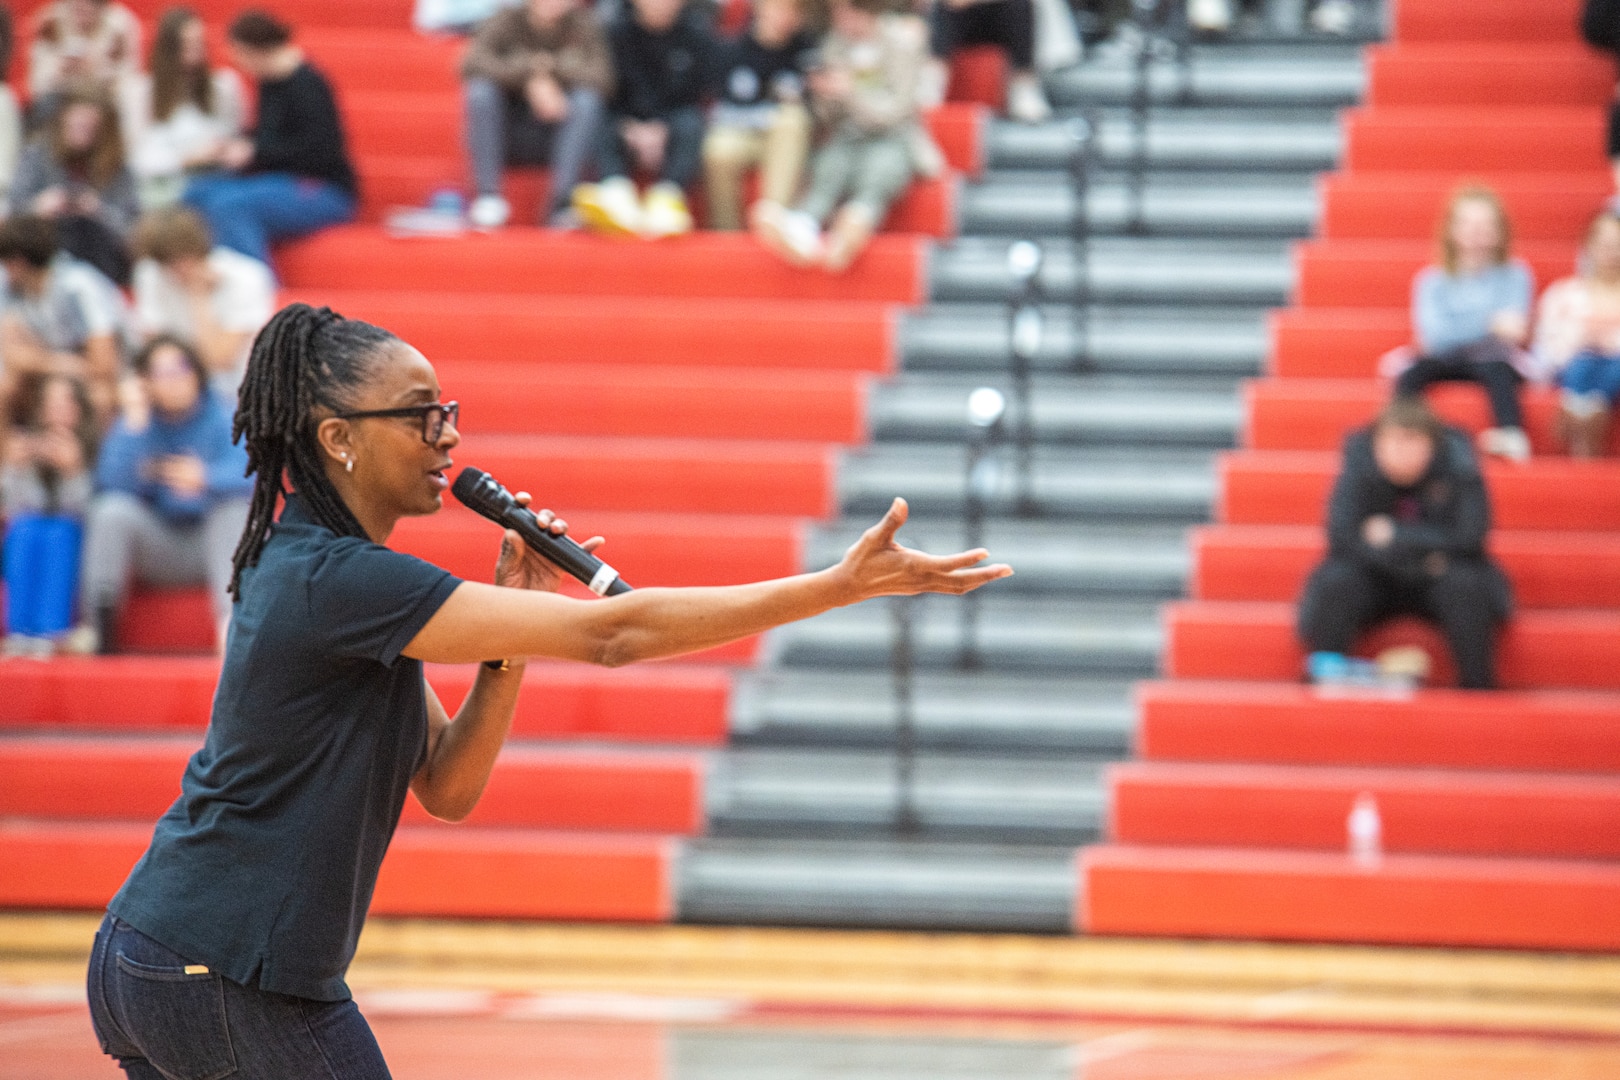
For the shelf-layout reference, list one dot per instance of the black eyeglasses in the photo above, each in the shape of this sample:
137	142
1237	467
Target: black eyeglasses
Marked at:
433	416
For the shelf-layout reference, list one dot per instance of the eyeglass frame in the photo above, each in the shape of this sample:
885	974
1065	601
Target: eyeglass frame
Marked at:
449	413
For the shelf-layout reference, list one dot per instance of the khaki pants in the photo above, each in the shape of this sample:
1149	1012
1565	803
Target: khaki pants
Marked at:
779	151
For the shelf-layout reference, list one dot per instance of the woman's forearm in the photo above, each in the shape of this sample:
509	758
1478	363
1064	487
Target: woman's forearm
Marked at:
463	755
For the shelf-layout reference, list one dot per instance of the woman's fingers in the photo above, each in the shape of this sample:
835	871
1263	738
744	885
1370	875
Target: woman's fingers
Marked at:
881	535
593	543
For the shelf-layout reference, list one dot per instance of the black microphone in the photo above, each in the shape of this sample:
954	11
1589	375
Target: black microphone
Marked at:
483	494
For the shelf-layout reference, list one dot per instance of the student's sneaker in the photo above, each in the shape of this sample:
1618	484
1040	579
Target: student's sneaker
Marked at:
489	212
1334	17
82	640
610	207
1026	101
1404	665
850	232
1506	442
664	212
793	235
1210	16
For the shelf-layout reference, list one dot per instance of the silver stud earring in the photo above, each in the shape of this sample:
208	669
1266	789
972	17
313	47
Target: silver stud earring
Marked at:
348	463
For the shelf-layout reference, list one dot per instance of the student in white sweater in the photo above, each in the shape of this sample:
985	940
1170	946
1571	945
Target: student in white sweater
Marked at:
179	116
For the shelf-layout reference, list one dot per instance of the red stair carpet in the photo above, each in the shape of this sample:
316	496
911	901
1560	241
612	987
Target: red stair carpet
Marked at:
1498	810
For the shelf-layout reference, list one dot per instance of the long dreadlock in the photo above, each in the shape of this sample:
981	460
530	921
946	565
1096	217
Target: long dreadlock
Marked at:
305	360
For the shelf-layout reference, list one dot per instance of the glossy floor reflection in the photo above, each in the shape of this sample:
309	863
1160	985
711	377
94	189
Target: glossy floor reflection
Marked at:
460	1035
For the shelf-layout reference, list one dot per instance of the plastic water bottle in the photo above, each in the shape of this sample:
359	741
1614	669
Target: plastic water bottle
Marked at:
1365	831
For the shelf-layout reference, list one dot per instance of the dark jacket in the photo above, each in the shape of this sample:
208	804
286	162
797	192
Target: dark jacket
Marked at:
659	73
1446	513
299	131
1600	24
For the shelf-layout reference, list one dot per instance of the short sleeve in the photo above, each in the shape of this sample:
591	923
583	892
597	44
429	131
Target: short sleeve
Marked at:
97	306
368	602
247	294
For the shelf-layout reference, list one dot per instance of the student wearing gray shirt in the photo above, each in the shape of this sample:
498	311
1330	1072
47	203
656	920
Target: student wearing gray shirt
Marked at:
1471	315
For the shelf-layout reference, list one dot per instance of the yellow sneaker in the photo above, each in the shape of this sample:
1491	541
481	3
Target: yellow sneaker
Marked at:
610	207
664	212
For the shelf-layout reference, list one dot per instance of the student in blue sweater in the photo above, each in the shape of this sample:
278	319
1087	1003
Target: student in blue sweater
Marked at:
1471	315
172	492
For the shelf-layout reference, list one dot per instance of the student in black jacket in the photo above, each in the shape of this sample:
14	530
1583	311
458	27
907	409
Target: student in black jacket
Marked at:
1406	535
1600	26
293	176
663	54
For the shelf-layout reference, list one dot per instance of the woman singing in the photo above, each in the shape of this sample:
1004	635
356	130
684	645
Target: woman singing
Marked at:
224	953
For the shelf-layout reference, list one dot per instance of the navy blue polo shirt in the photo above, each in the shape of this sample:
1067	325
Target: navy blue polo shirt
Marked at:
264	867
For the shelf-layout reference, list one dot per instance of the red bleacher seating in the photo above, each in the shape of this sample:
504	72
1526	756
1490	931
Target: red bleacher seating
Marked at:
1379	273
1549	207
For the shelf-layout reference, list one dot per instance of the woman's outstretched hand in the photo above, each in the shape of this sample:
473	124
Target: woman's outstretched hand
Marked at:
521	567
878	566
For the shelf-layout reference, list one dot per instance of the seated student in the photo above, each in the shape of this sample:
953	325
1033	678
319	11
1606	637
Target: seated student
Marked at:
536	81
1471	315
761	116
1578	340
865	94
210	296
171	496
75	173
179	118
80	41
1406	535
1008	25
662	55
60	316
45	488
293	176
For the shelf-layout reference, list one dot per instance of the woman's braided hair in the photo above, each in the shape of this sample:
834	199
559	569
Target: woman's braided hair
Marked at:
306	362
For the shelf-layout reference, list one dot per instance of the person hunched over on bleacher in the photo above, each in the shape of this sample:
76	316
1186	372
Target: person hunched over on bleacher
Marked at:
205	294
293	176
60	316
45	486
80	41
1006	24
865	92
761	114
1578	340
536	79
1406	531
179	116
75	174
171	490
663	52
1471	317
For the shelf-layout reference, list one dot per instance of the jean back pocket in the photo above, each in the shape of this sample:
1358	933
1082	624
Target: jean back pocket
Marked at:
176	1015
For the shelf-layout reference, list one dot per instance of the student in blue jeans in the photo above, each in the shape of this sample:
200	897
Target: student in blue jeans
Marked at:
293	176
45	487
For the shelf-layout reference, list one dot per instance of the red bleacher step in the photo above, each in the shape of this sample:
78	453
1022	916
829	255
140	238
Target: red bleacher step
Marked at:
529	261
1575	649
1482	137
356	14
101	777
373	59
1551	206
1487	73
429	871
660	703
1285	487
1312	896
1334	343
670	402
1270	562
826	335
1430	812
1316	414
1516	21
1379	273
1288	723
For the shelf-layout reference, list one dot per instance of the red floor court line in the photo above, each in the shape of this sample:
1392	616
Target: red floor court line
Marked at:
652	703
1289	723
1271	562
1535	815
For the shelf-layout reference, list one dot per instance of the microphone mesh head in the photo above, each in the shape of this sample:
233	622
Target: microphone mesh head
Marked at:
478	490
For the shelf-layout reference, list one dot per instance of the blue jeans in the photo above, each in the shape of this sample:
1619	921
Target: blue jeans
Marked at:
247	213
161	1023
1591	373
42	573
